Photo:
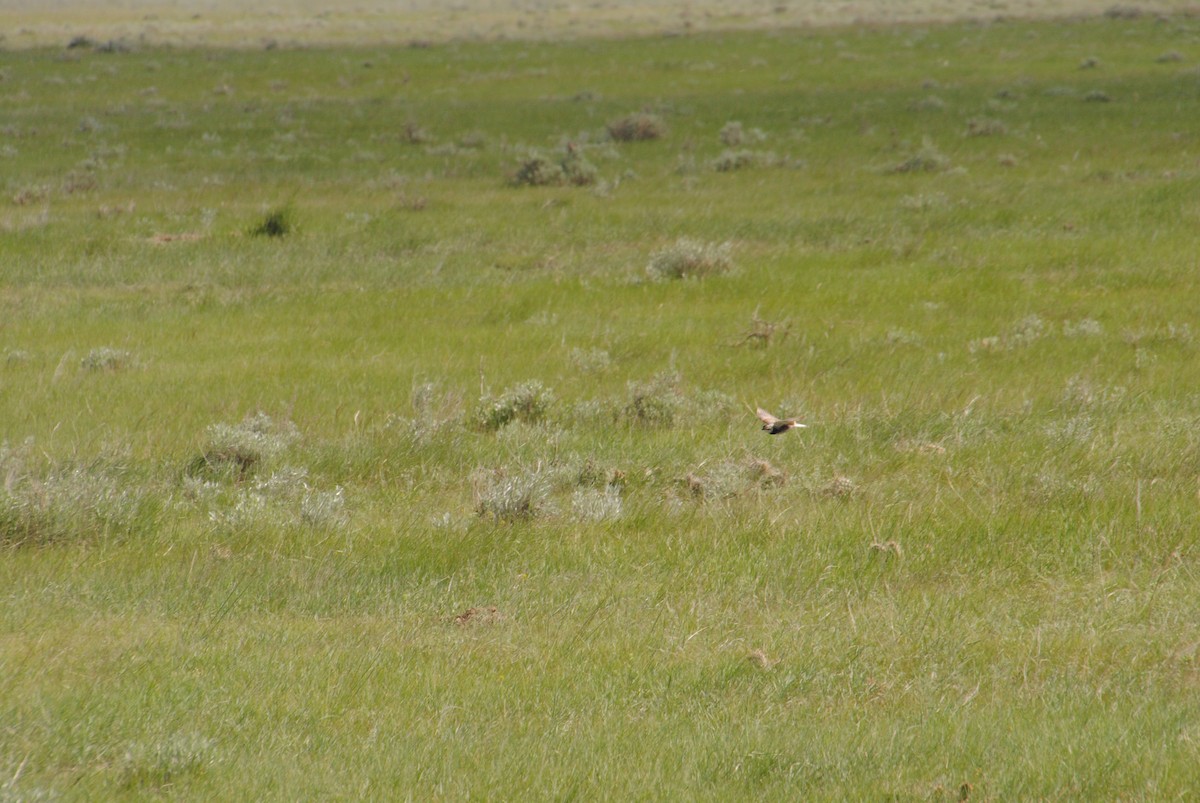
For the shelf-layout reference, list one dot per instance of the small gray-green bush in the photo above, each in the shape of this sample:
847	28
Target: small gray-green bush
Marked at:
511	496
733	135
730	478
44	507
729	160
929	103
590	361
539	170
656	402
240	448
106	359
16	356
689	258
528	402
593	504
163	764
285	498
577	170
927	159
985	127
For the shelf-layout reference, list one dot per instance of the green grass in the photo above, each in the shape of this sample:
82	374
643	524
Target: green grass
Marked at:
977	566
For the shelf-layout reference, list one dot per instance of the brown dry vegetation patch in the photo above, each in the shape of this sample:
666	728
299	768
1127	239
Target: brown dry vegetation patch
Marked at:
484	615
183	237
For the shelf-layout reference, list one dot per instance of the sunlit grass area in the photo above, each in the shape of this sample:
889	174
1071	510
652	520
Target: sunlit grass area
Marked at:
379	422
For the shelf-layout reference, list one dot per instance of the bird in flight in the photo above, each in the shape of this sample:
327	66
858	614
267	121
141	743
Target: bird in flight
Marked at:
775	425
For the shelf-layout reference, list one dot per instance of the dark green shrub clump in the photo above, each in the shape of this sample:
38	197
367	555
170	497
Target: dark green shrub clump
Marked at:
279	222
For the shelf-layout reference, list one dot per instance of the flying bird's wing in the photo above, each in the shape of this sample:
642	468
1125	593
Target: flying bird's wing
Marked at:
766	417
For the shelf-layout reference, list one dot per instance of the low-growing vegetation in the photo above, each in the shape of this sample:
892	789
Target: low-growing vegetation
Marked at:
276	223
528	402
690	259
572	168
456	489
637	127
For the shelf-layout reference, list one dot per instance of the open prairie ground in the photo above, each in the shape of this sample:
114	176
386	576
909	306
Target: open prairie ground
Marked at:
378	421
237	23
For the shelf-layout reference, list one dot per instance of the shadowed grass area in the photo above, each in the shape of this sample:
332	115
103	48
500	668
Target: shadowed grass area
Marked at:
457	488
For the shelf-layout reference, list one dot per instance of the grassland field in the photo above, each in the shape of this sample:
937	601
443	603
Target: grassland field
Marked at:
377	420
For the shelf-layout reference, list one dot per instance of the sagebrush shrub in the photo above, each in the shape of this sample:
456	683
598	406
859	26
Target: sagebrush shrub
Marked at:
528	402
730	160
690	258
927	159
43	507
577	170
637	127
985	127
592	504
106	359
590	361
511	496
734	134
239	448
656	402
284	498
17	356
413	133
539	170
730	478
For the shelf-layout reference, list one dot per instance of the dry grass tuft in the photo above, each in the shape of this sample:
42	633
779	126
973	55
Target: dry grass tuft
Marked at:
762	660
888	547
637	127
927	159
728	479
482	615
763	333
839	487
